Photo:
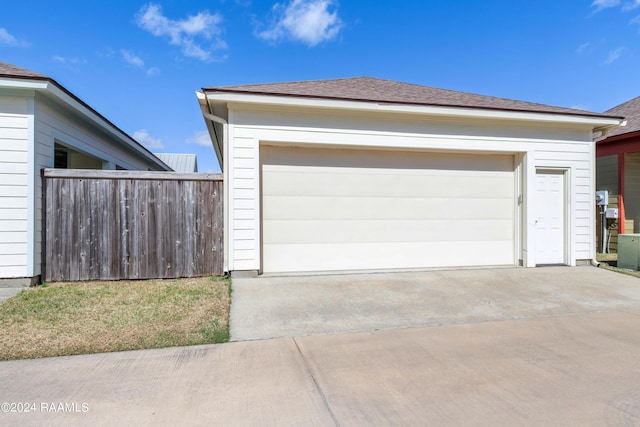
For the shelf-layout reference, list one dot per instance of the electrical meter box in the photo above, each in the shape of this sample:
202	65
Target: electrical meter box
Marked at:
611	213
629	251
602	198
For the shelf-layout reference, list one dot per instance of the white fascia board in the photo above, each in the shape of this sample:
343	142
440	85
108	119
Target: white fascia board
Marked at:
559	118
9	83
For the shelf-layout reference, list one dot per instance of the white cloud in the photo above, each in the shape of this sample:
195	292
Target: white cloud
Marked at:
604	4
132	58
143	137
631	5
107	52
599	5
153	71
308	21
136	61
583	47
7	39
69	61
201	138
614	55
198	36
635	20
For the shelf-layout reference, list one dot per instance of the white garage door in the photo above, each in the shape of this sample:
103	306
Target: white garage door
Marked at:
346	209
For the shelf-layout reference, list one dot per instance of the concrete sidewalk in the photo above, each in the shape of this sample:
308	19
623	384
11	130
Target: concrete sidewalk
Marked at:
10	288
305	305
568	370
8	292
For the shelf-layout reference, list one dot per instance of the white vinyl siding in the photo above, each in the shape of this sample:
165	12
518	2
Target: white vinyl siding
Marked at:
54	124
14	164
539	145
333	209
578	157
32	121
244	204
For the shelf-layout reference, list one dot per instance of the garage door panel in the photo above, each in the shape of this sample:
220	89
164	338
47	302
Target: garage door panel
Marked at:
347	209
354	208
300	158
371	231
431	183
373	256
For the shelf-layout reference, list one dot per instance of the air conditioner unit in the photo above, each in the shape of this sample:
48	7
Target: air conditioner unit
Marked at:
629	251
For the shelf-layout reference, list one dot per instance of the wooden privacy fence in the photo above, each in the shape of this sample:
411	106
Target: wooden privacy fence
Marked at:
114	225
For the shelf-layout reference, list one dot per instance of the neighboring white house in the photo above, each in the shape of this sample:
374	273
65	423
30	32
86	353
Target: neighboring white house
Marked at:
183	163
369	174
43	125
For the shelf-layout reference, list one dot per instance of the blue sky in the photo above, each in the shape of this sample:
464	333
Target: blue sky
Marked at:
139	63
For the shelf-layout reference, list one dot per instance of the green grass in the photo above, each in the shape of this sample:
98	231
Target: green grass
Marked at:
91	317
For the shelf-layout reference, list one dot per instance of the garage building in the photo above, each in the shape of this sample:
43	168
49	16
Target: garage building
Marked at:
368	174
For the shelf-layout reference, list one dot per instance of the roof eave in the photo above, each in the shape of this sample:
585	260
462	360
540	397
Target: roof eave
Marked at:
79	105
596	121
54	89
13	82
621	137
205	108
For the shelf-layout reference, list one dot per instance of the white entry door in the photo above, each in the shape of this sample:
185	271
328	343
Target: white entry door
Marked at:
550	217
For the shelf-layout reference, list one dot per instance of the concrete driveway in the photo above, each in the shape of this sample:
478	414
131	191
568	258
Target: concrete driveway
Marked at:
297	306
563	354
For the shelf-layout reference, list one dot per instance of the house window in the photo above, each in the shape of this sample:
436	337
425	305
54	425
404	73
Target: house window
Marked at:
68	158
60	158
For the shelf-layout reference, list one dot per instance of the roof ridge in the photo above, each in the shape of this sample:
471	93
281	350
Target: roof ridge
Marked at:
375	79
373	89
297	82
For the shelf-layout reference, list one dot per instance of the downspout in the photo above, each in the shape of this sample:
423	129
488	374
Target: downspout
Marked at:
225	173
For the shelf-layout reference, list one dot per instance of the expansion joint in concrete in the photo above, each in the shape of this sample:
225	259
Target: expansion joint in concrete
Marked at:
317	386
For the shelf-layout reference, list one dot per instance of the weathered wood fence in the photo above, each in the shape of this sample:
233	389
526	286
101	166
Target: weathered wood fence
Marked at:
114	225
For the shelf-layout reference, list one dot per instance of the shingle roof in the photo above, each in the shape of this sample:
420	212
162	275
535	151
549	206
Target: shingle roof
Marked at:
9	70
370	89
630	110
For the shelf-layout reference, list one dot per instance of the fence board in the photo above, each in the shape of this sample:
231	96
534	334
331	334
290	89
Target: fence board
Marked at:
114	225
